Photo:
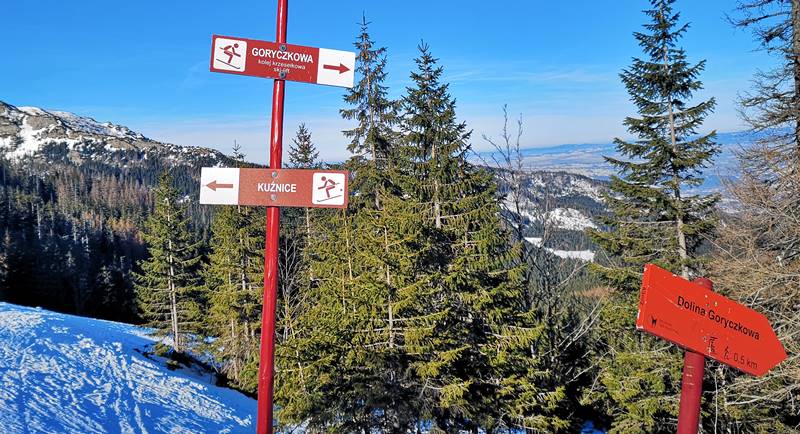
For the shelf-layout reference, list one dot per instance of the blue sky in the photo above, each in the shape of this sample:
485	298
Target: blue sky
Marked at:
144	64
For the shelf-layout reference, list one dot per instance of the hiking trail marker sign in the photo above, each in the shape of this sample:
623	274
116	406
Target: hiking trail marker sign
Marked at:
707	323
266	59
275	187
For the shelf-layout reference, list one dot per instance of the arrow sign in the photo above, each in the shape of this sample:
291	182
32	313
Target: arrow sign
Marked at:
232	55
214	185
707	323
274	187
341	68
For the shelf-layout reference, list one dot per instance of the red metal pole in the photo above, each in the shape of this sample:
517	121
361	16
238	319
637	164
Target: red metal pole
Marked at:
266	366
694	365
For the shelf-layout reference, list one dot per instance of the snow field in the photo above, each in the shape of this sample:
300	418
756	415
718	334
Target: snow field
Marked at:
66	374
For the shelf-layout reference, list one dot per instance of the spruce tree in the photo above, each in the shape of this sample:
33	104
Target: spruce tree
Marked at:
295	277
302	153
757	259
345	362
167	287
113	296
233	282
313	369
772	106
373	138
654	218
468	336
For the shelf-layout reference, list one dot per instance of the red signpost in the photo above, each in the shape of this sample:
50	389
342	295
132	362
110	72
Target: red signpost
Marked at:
233	55
706	324
266	366
274	187
694	366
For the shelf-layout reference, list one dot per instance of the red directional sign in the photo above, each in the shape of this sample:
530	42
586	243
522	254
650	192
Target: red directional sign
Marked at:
233	55
274	187
707	323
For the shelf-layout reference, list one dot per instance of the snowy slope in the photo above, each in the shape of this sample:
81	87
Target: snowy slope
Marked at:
31	132
66	374
583	255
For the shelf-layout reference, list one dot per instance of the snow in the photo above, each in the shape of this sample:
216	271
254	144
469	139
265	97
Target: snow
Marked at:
563	218
33	111
78	130
91	126
62	373
570	218
30	142
583	255
536	241
5	142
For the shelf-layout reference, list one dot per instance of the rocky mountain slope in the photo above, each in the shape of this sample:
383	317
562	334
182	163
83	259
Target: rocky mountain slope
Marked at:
56	136
556	209
562	202
74	194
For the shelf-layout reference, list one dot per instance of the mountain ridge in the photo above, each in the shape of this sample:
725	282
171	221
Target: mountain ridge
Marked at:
34	132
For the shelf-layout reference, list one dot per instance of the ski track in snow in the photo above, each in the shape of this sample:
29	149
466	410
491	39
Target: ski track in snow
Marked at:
66	374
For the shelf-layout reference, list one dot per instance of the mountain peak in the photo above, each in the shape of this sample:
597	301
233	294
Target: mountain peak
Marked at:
36	132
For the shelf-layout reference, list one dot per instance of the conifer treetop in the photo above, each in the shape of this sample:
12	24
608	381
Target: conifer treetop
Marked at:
371	107
302	152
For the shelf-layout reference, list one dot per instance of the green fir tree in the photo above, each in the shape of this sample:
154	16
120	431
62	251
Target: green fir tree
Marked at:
295	278
468	336
373	138
302	153
655	218
345	363
167	287
233	281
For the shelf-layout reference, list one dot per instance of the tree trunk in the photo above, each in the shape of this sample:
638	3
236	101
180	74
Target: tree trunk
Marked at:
308	237
676	179
437	206
373	150
173	299
235	347
347	242
389	290
173	305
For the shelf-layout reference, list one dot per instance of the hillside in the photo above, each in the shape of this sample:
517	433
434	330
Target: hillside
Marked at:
62	137
74	195
62	373
586	159
557	208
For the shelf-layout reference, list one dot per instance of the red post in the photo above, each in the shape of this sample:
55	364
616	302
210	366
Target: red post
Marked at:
266	366
694	365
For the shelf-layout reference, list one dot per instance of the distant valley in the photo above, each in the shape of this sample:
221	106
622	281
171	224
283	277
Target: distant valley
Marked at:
564	183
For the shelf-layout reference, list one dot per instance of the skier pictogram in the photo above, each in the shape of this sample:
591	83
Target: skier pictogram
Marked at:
328	188
230	50
328	185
